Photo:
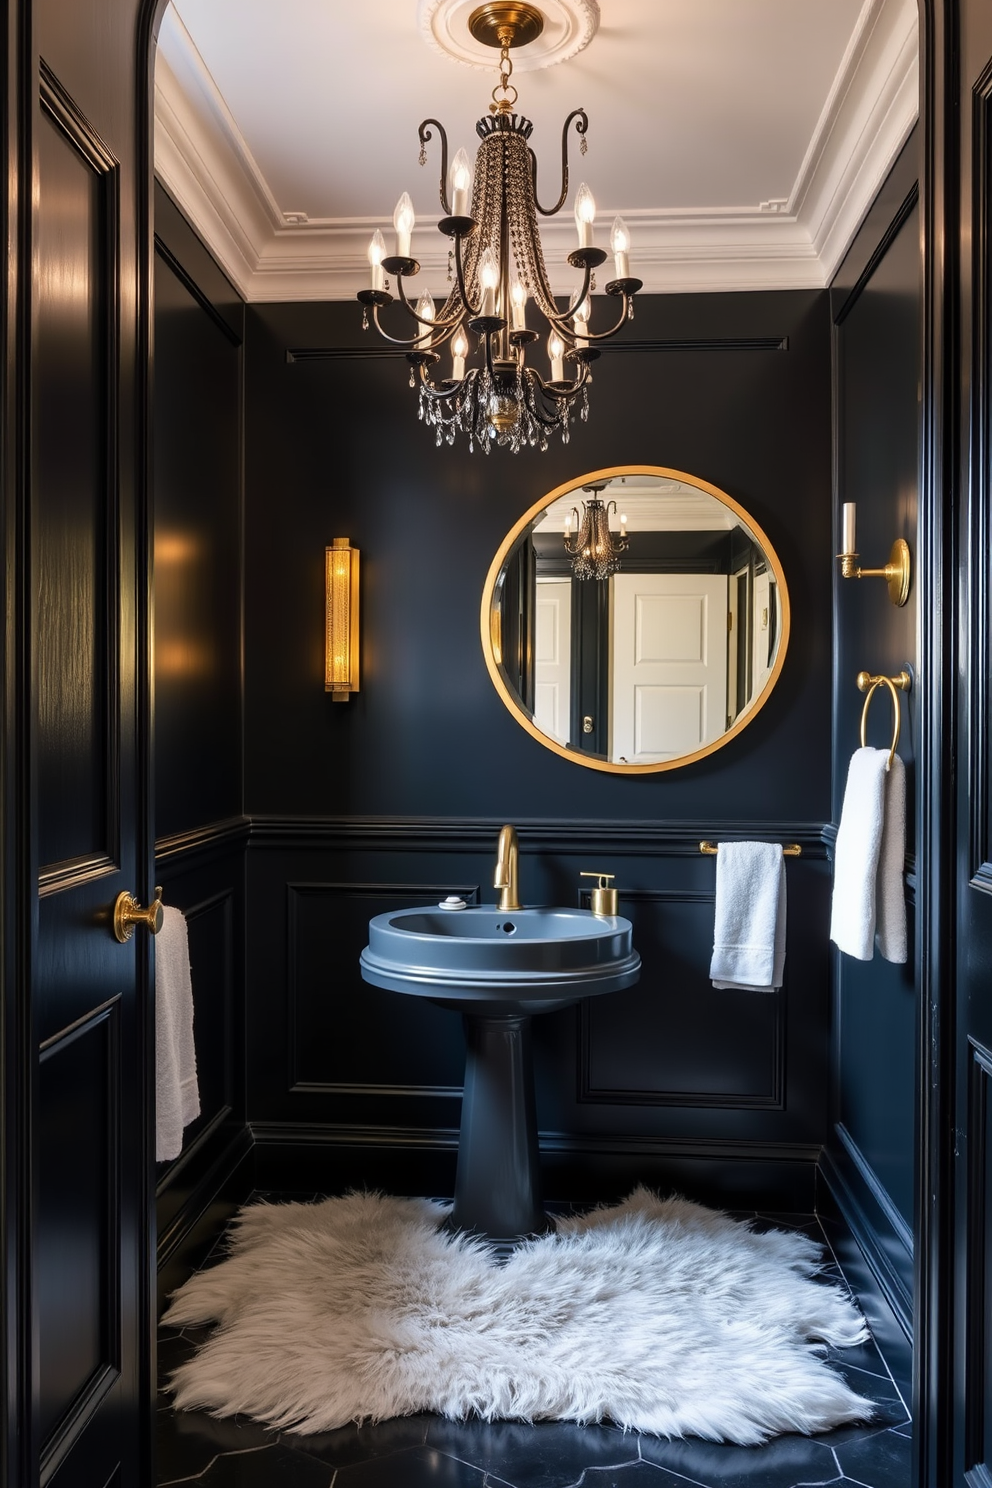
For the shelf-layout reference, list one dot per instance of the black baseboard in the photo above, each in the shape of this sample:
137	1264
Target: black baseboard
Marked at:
874	1250
574	1169
195	1199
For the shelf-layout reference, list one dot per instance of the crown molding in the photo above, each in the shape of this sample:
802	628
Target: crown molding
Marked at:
205	164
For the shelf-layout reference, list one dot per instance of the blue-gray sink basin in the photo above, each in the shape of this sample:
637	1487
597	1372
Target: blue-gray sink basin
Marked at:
523	960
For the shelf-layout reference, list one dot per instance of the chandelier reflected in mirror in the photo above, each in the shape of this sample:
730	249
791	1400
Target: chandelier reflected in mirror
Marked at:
593	548
499	282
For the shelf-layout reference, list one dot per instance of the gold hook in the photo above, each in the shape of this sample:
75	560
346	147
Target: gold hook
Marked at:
867	683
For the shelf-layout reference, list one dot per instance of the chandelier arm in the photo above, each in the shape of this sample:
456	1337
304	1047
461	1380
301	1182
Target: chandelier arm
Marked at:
425	134
440	325
442	395
582	124
605	335
413	341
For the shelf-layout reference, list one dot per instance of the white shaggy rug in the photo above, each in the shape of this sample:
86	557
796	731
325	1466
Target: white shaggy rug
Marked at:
657	1314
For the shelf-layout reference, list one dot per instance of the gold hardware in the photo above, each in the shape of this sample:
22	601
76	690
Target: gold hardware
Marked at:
789	849
505	877
896	572
504	23
587	724
341	620
604	898
128	913
867	683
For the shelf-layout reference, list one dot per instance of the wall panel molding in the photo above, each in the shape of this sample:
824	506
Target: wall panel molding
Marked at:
978	1266
882	1234
672	839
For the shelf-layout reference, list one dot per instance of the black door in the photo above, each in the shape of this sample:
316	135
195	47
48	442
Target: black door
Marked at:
77	1155
972	1116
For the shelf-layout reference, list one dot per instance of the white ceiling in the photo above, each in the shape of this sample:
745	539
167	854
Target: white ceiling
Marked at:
742	140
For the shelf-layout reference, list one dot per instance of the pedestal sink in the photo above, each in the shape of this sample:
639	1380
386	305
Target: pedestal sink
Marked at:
499	967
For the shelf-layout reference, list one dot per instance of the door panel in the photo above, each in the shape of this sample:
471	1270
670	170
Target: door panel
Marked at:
89	1168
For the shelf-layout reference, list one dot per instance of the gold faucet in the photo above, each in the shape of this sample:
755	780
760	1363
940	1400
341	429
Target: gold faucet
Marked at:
505	877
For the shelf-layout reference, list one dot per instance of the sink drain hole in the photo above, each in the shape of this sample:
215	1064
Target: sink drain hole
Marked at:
508	927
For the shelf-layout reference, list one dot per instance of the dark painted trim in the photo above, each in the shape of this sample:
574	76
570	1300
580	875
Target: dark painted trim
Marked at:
699	343
888	1328
937	572
881	249
882	1233
219	1180
193	289
203	842
680	839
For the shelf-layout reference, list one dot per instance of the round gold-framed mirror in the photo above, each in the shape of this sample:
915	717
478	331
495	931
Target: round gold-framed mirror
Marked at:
635	619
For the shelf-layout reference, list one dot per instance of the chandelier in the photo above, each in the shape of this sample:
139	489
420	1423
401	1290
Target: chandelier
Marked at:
594	549
496	271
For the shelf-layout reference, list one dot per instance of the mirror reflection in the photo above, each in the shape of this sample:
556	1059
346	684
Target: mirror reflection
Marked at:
635	619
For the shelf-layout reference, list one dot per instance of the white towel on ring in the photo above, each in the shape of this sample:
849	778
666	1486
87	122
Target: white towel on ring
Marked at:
749	922
868	894
177	1095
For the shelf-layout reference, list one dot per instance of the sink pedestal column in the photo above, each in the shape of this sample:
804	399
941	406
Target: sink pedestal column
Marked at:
497	1188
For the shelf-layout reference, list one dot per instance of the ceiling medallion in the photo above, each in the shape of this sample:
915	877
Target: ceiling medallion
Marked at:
568	27
495	268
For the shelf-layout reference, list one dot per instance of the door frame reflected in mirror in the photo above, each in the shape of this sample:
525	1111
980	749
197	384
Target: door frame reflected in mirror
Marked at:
494	636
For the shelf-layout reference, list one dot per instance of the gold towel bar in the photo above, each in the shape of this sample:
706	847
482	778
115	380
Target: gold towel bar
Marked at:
868	683
790	849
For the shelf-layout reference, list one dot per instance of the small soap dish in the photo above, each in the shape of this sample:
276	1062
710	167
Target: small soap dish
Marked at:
453	901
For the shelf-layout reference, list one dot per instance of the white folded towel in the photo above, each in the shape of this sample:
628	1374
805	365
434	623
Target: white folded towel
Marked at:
749	928
177	1096
868	859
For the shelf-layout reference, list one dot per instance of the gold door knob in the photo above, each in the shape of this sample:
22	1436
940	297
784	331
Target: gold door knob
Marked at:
128	913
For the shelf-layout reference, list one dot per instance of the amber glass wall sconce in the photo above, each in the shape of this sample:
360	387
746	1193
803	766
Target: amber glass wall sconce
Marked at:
896	572
341	637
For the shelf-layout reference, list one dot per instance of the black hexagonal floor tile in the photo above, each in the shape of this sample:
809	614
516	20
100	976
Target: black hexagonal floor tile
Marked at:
548	1454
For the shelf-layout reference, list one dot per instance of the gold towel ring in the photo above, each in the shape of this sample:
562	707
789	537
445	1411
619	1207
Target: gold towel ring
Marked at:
868	683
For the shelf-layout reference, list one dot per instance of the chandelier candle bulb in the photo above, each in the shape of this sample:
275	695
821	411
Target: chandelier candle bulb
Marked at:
425	309
460	179
620	246
518	299
377	252
849	544
403	221
489	280
556	353
580	323
459	351
585	215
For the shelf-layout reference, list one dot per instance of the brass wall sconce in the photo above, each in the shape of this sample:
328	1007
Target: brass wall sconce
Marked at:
341	635
896	572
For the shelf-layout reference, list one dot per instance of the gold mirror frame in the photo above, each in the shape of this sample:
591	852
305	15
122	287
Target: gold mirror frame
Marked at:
490	620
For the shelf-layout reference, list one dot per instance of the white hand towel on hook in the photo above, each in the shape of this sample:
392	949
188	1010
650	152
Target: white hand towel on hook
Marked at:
868	859
177	1095
749	927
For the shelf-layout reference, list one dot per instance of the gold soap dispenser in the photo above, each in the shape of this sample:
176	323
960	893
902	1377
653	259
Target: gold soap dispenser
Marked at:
604	898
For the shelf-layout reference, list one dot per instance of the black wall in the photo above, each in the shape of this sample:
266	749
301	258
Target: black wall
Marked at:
201	834
397	796
876	308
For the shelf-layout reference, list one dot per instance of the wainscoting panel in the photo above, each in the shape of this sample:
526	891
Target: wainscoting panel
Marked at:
697	1046
669	1080
358	1039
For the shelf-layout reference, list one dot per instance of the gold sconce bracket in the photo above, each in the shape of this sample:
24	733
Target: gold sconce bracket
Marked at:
896	572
